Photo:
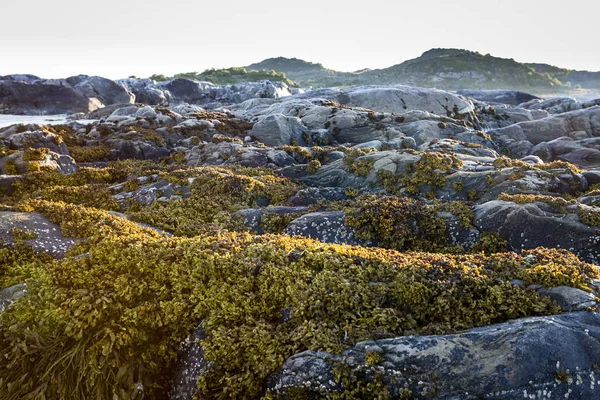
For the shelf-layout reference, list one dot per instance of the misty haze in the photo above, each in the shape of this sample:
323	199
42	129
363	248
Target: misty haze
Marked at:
315	200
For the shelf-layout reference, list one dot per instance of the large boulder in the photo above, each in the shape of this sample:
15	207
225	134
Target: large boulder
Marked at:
105	90
401	99
530	225
145	91
187	91
40	99
278	129
552	357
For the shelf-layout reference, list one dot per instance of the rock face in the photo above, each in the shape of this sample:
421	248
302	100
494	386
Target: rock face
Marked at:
36	98
397	99
539	358
277	130
106	91
580	128
400	99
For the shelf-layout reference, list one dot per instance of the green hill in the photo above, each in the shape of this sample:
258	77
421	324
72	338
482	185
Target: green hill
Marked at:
306	73
230	76
449	69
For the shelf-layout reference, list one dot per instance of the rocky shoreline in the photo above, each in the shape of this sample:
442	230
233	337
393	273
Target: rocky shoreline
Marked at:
369	242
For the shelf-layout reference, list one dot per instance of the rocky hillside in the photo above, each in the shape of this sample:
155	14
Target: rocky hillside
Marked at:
250	241
307	74
449	69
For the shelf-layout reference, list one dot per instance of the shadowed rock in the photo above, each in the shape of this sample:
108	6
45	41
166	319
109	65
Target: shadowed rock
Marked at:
39	99
541	358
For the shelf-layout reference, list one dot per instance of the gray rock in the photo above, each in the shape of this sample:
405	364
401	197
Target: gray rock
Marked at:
400	99
190	364
49	237
550	358
57	162
186	91
10	295
512	97
554	105
309	196
531	225
278	130
553	127
252	219
42	99
105	90
327	227
570	299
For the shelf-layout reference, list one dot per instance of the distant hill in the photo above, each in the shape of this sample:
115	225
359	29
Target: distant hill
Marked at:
230	76
306	73
584	79
449	69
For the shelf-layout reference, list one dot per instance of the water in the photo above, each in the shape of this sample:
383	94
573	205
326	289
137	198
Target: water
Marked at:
7	119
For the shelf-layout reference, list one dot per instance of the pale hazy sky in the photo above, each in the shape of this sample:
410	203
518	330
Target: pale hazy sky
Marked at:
118	38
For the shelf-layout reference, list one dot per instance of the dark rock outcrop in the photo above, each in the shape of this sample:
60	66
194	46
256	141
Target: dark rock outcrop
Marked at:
535	358
40	99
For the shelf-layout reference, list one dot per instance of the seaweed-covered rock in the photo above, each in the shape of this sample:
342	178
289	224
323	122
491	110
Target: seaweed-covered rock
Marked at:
22	162
36	230
540	358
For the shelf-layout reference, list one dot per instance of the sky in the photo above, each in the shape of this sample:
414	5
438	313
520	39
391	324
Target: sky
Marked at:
119	38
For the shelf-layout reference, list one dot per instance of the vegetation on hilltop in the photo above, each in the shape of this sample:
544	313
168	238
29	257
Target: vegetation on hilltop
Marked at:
449	69
230	76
